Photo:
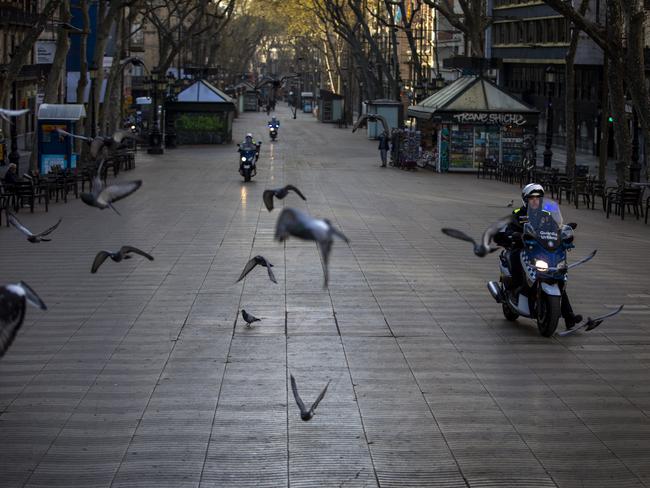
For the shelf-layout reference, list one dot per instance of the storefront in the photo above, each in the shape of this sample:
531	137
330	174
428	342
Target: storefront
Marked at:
473	120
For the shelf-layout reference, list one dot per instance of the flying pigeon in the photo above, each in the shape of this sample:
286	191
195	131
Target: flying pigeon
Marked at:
279	193
248	318
262	261
305	414
292	222
7	114
124	253
485	246
13	301
103	197
99	142
590	324
31	237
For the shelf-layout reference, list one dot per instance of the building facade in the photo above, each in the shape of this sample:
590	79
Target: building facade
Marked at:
531	38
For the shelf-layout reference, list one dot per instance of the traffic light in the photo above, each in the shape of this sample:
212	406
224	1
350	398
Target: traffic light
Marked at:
610	119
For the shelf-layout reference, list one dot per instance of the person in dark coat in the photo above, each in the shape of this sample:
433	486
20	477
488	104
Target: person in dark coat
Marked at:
384	146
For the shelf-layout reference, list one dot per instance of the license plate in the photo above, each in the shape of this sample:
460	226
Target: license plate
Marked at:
247	166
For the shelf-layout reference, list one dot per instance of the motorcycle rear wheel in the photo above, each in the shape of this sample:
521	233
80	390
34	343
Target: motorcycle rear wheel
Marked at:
548	314
247	177
509	313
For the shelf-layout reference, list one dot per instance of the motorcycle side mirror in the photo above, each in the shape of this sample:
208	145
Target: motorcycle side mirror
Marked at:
573	225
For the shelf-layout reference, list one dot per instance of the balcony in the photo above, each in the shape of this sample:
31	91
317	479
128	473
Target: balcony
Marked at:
10	15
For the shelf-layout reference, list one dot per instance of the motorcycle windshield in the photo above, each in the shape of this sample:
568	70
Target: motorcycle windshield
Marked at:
545	222
248	154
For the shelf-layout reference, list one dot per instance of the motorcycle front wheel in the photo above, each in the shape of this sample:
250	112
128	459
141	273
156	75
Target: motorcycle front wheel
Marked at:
548	314
509	313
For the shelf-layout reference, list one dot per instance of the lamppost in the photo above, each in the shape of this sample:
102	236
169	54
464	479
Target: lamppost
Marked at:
549	78
635	166
14	155
170	131
155	137
92	73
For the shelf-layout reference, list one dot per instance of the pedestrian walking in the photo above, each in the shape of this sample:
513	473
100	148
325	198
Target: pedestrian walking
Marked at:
384	146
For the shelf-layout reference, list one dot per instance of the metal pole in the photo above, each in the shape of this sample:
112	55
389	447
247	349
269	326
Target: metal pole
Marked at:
14	155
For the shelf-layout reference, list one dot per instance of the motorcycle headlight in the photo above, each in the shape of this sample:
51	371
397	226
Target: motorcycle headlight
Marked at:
243	158
541	265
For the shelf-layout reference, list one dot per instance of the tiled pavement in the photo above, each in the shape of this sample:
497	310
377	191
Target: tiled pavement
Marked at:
143	375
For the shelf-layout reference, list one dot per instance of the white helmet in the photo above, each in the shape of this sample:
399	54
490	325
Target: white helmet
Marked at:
531	190
249	135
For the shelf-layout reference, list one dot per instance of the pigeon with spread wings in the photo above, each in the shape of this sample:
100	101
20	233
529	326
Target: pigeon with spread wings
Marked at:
124	253
102	197
257	260
306	414
292	222
99	142
483	248
279	193
6	114
13	302
31	237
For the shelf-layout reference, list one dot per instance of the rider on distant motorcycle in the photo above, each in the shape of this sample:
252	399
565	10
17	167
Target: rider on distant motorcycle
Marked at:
274	123
510	238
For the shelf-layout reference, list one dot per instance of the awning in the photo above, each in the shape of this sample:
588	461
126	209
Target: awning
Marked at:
55	111
469	100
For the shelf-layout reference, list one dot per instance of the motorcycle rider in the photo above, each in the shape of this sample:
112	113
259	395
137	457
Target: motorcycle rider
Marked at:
249	145
510	238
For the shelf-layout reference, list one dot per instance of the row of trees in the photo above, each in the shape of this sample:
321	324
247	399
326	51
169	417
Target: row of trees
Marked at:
179	24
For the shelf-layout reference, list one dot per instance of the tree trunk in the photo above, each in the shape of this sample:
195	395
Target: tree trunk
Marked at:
604	124
616	78
570	93
62	47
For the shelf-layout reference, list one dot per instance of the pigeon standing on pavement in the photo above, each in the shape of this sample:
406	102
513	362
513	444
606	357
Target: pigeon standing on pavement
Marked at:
124	253
31	237
279	193
485	247
6	114
248	318
13	301
306	414
292	222
103	197
512	202
262	261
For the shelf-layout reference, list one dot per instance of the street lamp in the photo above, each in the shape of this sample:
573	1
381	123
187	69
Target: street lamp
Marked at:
14	155
549	78
155	137
173	88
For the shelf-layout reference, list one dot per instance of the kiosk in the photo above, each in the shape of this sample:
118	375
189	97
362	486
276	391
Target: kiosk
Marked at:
54	149
473	120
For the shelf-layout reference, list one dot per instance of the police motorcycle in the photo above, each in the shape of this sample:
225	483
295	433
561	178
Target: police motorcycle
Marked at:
249	153
273	129
546	240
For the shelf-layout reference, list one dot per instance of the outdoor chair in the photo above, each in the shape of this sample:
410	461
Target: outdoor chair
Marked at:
626	198
581	188
563	185
599	189
488	167
23	193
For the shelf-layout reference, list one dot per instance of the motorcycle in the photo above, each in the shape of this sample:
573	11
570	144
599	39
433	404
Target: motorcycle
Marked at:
546	240
273	132
247	159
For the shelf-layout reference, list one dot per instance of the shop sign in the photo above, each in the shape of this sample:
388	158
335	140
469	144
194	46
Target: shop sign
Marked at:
489	118
45	52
